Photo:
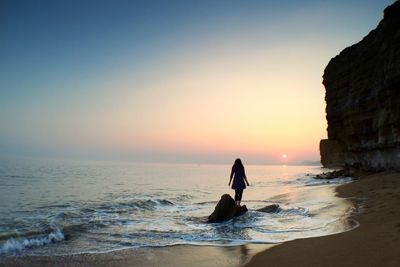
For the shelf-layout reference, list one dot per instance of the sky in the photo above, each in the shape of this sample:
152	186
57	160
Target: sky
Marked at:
171	81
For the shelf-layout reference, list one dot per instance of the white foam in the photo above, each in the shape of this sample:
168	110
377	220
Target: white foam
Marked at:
12	245
334	181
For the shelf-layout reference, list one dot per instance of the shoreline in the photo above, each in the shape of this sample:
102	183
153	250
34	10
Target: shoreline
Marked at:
376	242
333	250
171	256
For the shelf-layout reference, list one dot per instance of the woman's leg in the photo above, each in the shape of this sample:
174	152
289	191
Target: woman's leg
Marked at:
238	196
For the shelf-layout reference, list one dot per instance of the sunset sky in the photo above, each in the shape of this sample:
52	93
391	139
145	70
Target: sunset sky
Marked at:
171	81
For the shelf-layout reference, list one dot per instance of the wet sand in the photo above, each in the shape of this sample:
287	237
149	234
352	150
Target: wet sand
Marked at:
376	242
175	256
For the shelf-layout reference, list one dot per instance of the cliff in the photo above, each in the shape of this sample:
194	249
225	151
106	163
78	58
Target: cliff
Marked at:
363	100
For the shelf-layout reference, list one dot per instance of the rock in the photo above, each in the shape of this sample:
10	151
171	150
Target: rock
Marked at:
331	153
270	208
335	174
362	100
226	209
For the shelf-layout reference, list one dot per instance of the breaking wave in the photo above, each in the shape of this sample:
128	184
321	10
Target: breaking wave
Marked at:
12	245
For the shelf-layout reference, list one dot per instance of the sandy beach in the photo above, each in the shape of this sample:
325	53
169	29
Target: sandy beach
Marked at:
376	242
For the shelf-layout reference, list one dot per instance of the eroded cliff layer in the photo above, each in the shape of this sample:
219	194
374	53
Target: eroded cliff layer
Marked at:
363	100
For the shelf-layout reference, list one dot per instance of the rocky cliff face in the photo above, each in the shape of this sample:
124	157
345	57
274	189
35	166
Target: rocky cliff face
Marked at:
363	100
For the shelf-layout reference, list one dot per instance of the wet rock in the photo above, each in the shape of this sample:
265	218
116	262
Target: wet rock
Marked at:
362	100
270	208
334	174
226	209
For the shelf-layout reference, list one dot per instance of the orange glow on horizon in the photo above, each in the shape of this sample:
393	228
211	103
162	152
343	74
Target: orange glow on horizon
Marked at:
226	103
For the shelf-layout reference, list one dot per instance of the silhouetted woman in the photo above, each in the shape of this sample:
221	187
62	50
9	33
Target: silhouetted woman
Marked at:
239	179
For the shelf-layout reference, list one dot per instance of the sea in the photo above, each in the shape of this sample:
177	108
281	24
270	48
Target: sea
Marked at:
63	207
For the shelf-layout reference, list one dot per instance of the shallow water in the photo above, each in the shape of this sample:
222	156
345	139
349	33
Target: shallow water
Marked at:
67	207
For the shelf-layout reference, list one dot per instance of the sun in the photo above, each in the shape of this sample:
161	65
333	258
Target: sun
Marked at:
284	156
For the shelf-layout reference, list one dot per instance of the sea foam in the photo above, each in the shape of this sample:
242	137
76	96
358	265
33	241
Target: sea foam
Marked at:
14	245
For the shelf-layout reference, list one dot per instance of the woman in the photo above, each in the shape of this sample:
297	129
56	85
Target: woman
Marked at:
239	179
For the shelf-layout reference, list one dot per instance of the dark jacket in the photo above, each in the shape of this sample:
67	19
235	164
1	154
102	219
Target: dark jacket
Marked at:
238	178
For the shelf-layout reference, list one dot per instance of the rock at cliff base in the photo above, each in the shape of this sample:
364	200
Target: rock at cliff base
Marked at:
332	155
345	173
226	209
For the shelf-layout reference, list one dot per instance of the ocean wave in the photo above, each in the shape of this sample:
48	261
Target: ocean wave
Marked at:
334	181
310	180
294	211
135	204
14	245
44	228
207	202
110	208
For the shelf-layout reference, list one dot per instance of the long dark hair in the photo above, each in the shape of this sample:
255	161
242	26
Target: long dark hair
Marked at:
238	164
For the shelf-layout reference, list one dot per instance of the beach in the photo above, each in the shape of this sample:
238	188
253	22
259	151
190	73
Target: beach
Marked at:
376	242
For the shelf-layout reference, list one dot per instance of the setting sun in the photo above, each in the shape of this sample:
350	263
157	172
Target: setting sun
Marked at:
284	156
